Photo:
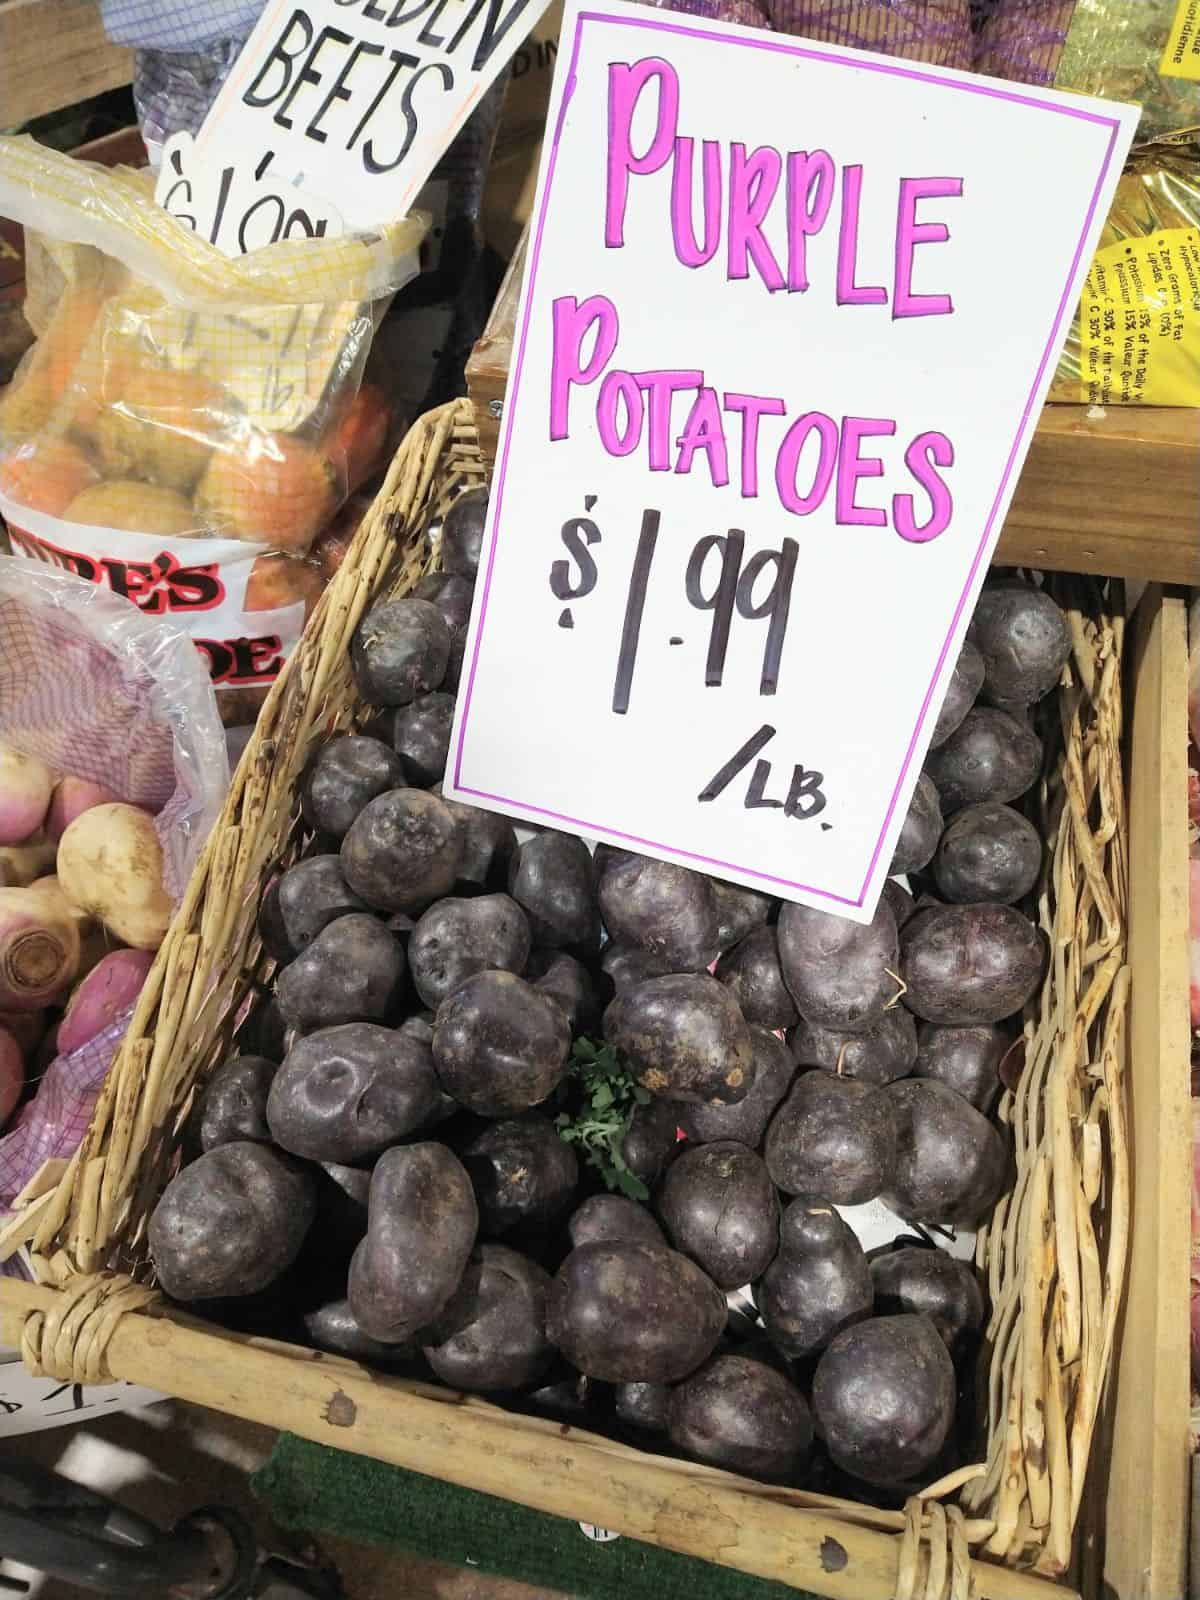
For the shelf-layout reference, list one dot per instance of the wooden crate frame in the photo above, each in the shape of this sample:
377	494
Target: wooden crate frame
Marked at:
53	54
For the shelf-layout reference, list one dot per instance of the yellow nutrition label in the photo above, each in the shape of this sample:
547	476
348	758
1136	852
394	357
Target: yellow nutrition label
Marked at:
1139	322
1181	57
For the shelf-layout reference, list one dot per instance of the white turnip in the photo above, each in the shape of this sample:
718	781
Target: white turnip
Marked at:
110	864
21	864
109	989
39	949
71	798
25	787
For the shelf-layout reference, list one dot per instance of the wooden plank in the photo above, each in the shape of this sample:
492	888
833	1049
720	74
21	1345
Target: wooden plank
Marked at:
54	53
1146	1551
551	1468
1115	493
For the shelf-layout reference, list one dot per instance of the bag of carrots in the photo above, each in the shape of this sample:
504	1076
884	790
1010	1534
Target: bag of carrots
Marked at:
187	424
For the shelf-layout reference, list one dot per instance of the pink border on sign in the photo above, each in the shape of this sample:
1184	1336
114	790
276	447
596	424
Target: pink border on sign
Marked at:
751	40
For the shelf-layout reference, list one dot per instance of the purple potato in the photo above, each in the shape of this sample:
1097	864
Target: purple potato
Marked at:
523	1173
230	1223
452	594
841	973
752	973
961	693
916	1279
611	1217
883	1398
346	1094
684	1038
455	939
569	982
421	1227
421	738
351	972
348	773
310	896
552	878
902	903
739	911
499	1044
235	1102
970	964
833	1137
651	1140
966	1060
399	650
719	1207
627	1312
1024	640
746	1121
988	852
489	842
462	533
626	966
662	908
990	756
951	1164
921	829
331	1326
404	851
742	1415
818	1284
642	1406
497	1339
878	1054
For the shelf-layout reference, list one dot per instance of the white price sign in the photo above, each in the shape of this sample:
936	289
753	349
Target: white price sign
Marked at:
788	319
30	1405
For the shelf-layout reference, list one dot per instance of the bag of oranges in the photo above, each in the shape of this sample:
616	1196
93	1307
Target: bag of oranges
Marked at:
187	424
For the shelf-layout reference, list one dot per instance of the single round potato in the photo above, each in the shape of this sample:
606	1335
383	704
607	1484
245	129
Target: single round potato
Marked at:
753	975
738	911
462	533
455	939
310	896
719	1206
625	966
818	1284
351	972
651	1140
231	1223
966	1060
452	594
421	1227
663	908
400	650
332	1326
612	1217
741	1415
965	683
421	738
902	903
551	877
990	756
642	1406
627	1312
403	851
951	1164
883	1398
499	1338
832	1137
746	1121
878	1054
499	1044
988	852
523	1173
917	1279
569	982
235	1102
1024	640
684	1037
348	773
841	973
347	1094
489	843
970	964
921	829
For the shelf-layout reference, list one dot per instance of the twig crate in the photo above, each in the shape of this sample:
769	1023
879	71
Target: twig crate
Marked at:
1076	1370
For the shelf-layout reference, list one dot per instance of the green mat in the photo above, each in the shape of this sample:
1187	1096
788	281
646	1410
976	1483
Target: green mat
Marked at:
317	1490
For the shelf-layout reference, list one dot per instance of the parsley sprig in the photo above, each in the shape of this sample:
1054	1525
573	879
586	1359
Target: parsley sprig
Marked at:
605	1098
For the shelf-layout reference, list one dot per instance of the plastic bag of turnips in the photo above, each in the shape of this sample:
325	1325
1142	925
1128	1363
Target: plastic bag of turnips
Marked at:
188	423
92	687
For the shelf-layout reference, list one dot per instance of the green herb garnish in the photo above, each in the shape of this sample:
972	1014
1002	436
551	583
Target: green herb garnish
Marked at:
606	1099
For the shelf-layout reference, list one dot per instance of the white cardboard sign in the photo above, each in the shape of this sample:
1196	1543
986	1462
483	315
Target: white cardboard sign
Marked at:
788	318
356	101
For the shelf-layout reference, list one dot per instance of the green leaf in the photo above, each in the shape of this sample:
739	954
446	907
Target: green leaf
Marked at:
602	1097
642	1096
631	1185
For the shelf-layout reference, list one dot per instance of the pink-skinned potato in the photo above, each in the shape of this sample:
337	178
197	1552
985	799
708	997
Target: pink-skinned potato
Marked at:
841	973
684	1037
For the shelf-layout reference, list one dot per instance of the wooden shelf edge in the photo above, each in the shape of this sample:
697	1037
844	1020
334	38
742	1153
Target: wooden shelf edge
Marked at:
54	53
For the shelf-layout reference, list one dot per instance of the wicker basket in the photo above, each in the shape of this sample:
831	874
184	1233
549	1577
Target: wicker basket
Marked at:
1053	1253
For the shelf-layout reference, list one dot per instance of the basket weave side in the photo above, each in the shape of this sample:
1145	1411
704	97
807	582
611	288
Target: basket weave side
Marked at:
1053	1253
